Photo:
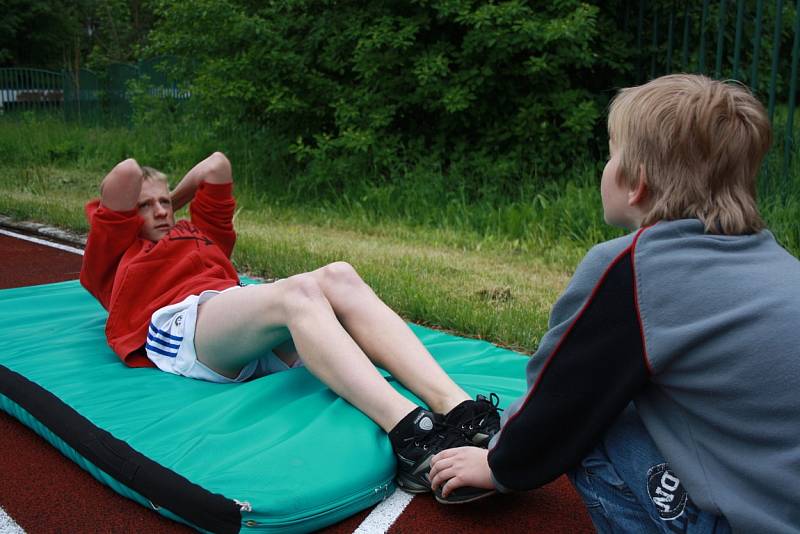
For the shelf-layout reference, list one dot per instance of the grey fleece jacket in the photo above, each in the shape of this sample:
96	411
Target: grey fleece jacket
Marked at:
702	332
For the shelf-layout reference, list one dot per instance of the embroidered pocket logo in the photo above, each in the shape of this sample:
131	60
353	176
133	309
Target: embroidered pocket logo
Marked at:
666	492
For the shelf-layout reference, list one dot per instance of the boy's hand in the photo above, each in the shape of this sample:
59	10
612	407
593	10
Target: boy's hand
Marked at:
462	466
215	169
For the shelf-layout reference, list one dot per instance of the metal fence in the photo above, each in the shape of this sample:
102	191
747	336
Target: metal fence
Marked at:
755	42
82	96
86	96
27	89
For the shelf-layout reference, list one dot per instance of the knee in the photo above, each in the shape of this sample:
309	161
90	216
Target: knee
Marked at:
301	294
341	274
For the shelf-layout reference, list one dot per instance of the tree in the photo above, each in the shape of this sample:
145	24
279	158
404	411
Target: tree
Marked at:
41	33
71	33
395	81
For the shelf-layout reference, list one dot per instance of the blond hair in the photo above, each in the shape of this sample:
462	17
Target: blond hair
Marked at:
149	173
699	142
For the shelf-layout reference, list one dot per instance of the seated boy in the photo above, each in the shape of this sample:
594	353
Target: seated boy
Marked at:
666	385
174	301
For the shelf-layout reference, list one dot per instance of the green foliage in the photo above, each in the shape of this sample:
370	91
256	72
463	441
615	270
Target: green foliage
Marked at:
119	28
72	34
40	33
370	89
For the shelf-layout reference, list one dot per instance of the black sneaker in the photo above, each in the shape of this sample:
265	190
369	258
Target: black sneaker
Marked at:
478	420
414	453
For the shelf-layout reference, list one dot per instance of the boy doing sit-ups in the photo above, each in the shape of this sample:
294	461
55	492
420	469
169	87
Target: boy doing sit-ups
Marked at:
174	302
666	386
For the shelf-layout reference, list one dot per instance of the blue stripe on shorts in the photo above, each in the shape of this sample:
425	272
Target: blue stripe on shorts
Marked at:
164	334
157	350
151	337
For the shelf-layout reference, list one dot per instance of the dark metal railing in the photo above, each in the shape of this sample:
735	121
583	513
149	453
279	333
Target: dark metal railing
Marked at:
28	89
84	95
734	24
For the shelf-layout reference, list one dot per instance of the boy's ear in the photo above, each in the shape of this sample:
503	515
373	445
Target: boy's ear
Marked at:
638	193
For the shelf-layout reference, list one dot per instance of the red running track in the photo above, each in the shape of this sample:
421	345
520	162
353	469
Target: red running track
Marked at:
44	492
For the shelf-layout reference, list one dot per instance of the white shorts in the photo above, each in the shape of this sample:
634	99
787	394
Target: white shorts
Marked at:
170	344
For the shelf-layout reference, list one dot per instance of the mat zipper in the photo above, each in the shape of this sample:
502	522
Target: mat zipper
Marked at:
356	502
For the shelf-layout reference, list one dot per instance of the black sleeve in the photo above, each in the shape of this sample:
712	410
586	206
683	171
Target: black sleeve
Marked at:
593	371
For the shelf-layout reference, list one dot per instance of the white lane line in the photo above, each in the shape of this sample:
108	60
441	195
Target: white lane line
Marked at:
42	242
385	514
7	525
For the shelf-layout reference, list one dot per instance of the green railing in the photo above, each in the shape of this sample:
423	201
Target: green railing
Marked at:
29	89
752	41
84	95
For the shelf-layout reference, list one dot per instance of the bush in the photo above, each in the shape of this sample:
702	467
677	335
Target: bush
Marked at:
373	88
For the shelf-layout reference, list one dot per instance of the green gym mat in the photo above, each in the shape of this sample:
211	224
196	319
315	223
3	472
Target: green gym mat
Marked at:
278	454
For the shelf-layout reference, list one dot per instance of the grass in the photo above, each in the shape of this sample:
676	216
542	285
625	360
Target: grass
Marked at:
489	267
495	296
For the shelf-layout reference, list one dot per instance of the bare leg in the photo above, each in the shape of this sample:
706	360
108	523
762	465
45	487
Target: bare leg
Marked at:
237	327
386	338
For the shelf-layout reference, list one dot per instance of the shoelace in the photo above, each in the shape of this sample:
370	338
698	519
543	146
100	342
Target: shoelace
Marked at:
479	415
438	431
493	400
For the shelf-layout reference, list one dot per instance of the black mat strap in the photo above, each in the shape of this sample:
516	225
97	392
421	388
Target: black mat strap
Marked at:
164	488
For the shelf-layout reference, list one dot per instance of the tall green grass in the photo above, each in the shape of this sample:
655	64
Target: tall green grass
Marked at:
558	218
551	217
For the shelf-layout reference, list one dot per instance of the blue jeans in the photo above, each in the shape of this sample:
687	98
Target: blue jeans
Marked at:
628	487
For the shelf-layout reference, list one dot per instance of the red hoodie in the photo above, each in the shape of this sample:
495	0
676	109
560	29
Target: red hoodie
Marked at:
133	277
